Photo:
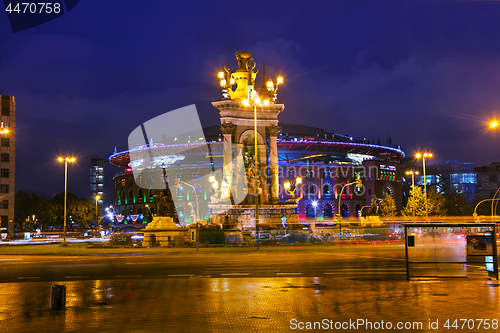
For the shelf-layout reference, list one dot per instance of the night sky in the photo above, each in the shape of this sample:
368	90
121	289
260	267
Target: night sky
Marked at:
427	73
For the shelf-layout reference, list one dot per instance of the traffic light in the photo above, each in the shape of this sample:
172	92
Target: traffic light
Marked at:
177	182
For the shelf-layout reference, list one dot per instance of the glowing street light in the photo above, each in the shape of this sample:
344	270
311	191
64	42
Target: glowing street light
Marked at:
97	198
423	156
315	204
65	160
288	185
493	124
413	173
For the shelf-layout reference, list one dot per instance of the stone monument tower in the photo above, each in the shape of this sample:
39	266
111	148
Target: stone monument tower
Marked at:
249	122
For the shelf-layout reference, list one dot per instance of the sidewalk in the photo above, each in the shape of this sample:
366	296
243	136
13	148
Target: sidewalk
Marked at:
248	304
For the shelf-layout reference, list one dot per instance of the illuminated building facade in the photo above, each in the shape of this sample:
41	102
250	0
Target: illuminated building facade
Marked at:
325	161
451	177
7	162
97	178
273	155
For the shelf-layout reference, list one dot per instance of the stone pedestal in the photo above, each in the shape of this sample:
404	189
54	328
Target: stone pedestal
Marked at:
162	231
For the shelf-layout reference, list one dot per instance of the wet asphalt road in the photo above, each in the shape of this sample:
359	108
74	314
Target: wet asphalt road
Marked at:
240	292
371	260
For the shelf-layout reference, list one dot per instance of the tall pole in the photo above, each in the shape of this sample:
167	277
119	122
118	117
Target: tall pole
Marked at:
65	193
96	211
412	188
258	180
425	190
339	210
197	209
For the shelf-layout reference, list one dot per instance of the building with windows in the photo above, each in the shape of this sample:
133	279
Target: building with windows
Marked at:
488	179
97	178
251	157
7	162
325	161
450	177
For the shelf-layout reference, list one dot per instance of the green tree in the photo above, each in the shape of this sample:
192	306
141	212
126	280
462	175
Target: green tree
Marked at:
387	207
435	203
23	208
415	202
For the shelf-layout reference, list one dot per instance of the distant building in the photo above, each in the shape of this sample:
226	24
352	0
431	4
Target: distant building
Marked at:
7	162
325	160
488	179
97	178
450	177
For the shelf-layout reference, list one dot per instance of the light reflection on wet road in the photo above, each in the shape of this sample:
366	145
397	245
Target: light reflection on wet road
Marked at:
242	304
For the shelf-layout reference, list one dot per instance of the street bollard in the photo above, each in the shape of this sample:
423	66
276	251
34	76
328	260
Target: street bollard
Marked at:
57	297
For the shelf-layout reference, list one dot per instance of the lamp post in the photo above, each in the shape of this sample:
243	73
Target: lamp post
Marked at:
149	210
413	173
480	202
97	198
179	182
287	185
423	156
65	160
339	216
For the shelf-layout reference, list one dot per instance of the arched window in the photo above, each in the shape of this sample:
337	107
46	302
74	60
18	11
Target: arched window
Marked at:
131	195
310	188
118	199
328	211
310	211
327	189
344	210
139	194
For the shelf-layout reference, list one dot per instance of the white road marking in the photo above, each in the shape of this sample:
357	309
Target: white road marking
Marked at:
28	277
147	263
367	273
288	273
235	274
181	275
363	269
